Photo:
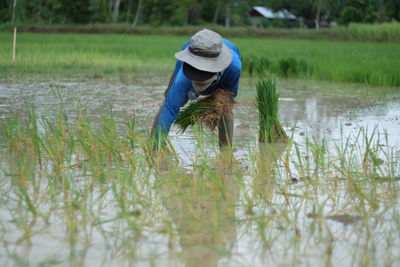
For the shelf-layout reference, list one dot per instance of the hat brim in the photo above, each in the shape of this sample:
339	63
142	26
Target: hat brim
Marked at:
217	64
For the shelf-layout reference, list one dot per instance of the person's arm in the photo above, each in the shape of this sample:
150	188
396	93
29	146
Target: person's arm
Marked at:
175	99
232	82
231	76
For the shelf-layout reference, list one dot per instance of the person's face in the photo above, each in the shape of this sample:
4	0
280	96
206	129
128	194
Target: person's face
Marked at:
200	86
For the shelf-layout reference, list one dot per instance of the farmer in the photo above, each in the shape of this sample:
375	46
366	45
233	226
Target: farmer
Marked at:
206	63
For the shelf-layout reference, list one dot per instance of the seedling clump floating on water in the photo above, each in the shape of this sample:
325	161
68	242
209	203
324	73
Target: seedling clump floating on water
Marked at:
270	129
206	111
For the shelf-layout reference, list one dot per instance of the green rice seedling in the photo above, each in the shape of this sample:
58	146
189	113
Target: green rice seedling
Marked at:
12	133
202	155
92	146
270	129
130	146
251	63
57	142
258	65
72	55
318	152
109	138
206	111
131	135
267	160
158	152
190	115
303	66
288	66
22	165
247	64
263	65
284	67
381	32
35	135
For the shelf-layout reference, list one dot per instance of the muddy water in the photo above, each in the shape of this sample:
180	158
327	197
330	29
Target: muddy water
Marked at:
313	109
308	109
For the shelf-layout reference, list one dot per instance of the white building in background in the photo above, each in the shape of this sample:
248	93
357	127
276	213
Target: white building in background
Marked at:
260	13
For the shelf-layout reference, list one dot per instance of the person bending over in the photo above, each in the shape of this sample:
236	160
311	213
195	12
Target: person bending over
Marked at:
207	62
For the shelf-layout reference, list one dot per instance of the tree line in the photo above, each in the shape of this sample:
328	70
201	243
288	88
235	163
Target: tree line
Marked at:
191	12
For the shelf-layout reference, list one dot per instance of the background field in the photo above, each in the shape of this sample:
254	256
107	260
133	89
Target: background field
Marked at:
383	32
100	55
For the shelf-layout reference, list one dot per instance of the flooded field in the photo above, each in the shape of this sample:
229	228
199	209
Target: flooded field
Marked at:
328	197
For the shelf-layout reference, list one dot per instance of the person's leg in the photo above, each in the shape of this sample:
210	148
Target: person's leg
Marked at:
225	131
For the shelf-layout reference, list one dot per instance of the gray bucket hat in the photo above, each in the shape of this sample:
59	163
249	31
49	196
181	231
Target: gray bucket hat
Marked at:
206	52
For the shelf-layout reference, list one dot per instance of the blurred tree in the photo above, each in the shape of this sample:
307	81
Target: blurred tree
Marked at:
13	11
356	11
5	11
186	11
217	11
393	9
334	8
301	8
158	12
380	11
228	14
99	10
46	11
194	12
138	13
75	11
115	13
211	10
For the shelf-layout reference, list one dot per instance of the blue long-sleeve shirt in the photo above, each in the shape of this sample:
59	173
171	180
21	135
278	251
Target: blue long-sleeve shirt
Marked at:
177	94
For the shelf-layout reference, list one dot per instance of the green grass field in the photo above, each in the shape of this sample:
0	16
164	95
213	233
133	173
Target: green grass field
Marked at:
99	55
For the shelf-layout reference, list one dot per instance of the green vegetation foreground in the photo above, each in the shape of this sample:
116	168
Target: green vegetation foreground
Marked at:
101	55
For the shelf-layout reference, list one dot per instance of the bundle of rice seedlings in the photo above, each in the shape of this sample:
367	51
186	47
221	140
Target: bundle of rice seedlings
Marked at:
270	129
206	111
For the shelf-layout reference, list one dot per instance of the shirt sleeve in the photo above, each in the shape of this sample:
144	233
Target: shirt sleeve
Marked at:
231	76
231	83
176	98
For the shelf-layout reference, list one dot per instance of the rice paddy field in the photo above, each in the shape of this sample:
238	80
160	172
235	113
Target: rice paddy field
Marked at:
79	187
122	55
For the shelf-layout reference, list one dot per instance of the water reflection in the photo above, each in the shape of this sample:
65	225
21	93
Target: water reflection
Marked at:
202	209
316	108
311	108
266	163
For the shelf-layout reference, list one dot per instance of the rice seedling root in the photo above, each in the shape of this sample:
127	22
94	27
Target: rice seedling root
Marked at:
207	111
